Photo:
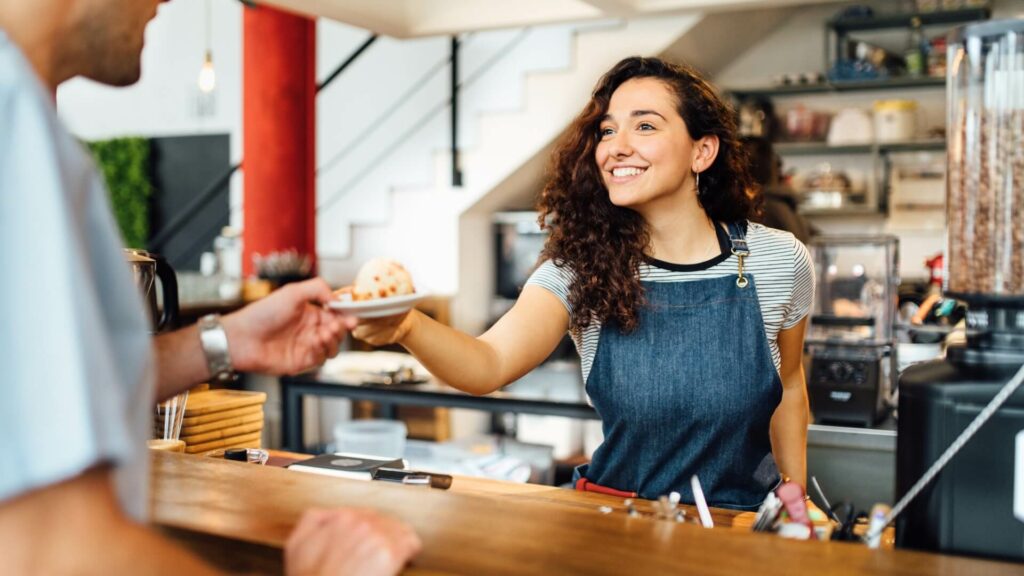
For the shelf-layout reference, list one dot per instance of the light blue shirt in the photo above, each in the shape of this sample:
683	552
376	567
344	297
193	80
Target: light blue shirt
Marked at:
76	387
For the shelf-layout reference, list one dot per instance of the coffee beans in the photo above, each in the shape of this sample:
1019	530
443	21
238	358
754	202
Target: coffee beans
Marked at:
985	179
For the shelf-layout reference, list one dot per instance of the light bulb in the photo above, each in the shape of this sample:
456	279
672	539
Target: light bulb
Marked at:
207	76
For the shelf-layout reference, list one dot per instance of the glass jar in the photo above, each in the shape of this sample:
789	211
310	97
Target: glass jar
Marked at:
985	176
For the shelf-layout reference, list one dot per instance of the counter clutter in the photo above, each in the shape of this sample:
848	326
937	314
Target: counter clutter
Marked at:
238	516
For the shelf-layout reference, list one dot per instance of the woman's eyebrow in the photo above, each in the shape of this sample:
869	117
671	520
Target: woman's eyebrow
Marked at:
634	114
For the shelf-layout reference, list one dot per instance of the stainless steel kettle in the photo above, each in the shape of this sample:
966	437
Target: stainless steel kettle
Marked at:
147	267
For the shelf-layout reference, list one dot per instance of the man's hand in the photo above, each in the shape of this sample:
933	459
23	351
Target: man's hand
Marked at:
287	332
348	541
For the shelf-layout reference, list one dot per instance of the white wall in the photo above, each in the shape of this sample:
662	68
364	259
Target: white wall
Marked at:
163	102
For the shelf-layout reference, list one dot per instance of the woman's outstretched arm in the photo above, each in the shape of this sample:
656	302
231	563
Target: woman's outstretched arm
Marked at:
516	344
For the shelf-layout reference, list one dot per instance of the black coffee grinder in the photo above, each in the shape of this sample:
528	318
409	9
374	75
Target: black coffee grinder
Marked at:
850	337
969	507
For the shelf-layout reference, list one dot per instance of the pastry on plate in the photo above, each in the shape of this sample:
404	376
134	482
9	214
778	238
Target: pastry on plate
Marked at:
378	278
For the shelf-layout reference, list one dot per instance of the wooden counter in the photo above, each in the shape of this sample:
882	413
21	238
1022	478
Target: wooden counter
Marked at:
238	516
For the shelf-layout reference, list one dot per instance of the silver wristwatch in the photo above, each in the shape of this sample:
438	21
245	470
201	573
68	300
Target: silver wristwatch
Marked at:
215	347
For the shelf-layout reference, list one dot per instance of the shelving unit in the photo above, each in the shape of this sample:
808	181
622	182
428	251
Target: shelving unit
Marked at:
839	28
838	31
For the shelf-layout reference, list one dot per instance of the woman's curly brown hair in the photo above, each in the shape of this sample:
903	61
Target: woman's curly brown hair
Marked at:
602	244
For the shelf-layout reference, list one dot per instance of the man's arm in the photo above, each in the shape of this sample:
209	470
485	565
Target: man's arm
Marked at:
789	423
76	527
284	333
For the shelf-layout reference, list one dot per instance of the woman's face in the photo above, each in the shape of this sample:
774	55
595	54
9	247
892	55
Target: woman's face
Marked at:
645	151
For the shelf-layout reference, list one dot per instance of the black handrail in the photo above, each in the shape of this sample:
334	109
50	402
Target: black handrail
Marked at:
387	151
373	126
197	203
341	67
456	172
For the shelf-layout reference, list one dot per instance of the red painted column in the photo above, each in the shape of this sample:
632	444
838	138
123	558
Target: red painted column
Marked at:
279	138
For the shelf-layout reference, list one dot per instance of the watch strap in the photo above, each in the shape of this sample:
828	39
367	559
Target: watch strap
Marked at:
214	341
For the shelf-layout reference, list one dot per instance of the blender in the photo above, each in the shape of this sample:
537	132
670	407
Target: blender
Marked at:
969	507
850	336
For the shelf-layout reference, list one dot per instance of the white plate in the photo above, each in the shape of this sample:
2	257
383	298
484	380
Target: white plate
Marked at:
378	307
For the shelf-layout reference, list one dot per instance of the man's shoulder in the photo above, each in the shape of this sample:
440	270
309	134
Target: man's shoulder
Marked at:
16	76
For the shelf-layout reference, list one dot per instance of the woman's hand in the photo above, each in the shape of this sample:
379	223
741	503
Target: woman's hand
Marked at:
387	330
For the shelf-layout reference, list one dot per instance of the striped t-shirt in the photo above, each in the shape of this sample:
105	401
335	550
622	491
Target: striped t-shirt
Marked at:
779	263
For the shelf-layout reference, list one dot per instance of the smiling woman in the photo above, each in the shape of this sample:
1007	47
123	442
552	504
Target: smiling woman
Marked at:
688	318
665	122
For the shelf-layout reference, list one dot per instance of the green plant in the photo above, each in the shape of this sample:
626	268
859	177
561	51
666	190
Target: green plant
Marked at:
125	166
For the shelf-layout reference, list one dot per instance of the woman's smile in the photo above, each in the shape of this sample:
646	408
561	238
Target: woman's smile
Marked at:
626	174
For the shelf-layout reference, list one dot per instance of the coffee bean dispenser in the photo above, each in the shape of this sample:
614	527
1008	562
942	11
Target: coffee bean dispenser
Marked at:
968	508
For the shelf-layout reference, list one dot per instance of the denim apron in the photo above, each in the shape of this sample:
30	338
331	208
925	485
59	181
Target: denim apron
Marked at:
691	391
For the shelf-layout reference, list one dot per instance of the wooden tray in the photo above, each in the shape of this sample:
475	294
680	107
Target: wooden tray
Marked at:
210	401
190	421
223	433
245	441
255	416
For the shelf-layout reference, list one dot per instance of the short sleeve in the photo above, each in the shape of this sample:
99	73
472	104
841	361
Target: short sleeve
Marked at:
555	279
802	296
73	338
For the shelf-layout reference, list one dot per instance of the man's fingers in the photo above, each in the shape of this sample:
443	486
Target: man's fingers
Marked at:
310	521
312	290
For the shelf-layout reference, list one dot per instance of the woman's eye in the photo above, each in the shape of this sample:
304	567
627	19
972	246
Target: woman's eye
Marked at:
605	132
645	126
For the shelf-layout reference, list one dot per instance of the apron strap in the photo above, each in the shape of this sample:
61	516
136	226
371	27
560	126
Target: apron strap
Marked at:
737	236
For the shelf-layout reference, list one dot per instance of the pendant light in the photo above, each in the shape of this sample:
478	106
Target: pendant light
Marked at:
207	75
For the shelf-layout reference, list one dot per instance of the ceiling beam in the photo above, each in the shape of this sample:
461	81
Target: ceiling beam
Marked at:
414	18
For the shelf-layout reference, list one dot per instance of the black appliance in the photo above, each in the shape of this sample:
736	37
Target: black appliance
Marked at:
968	509
518	241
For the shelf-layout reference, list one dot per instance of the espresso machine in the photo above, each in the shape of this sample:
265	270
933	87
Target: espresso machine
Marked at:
147	268
969	507
850	337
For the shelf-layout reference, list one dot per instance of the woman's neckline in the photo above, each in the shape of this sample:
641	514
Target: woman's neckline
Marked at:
724	252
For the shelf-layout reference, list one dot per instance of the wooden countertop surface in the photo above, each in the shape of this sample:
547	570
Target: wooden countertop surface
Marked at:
238	516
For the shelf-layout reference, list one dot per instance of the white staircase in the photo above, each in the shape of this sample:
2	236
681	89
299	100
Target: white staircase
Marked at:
418	224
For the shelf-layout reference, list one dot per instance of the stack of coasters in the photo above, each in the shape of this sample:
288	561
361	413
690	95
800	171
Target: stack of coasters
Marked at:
220	419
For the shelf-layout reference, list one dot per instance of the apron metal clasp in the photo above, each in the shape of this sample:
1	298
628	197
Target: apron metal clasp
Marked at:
741	280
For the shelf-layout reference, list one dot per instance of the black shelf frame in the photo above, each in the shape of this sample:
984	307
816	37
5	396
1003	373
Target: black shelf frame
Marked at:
893	83
904	20
821	148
